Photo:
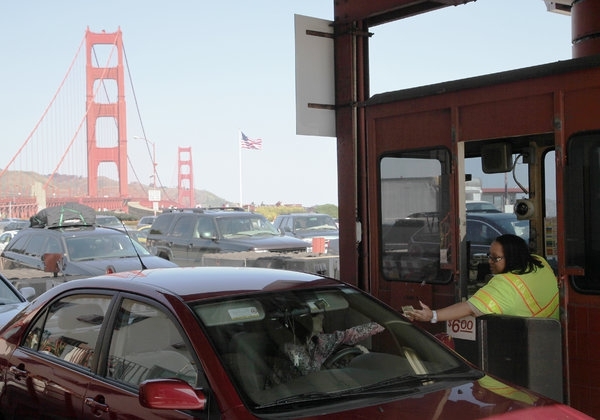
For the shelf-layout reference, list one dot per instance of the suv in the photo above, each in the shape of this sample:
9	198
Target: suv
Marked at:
185	235
307	226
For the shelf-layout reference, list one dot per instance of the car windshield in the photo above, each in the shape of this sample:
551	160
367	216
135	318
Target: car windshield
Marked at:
316	222
256	225
108	221
282	348
94	247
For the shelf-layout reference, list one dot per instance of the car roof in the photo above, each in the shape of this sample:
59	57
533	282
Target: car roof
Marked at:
305	214
220	211
490	216
193	283
80	230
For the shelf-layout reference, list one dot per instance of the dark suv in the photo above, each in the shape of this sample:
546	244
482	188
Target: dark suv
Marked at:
185	235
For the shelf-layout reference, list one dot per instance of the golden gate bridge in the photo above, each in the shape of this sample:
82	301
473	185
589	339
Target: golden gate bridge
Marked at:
77	151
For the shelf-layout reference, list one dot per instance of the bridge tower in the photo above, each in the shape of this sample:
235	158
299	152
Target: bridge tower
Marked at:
185	176
106	81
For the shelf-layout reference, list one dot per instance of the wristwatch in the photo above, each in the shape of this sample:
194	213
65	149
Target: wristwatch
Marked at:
433	317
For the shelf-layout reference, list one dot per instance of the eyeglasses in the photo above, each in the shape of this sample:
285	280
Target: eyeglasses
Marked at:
494	259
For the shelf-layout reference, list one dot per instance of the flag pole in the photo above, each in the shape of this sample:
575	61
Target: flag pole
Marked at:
240	160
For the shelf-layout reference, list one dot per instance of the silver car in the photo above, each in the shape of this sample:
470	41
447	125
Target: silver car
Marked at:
79	250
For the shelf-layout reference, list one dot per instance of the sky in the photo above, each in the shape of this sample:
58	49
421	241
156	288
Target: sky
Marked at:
202	71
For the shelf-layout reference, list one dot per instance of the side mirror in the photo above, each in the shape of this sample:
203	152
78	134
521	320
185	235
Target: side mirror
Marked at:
28	292
170	394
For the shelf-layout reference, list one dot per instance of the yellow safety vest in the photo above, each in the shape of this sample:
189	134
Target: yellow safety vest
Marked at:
533	294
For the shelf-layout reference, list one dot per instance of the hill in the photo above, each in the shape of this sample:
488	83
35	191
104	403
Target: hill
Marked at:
23	183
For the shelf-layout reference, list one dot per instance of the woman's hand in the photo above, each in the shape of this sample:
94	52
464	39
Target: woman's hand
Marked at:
425	314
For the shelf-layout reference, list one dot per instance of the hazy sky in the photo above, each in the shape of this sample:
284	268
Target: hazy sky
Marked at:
204	70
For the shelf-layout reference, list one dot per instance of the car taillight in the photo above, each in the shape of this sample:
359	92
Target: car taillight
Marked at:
110	269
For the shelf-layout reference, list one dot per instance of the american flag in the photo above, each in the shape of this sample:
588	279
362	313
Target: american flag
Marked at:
254	144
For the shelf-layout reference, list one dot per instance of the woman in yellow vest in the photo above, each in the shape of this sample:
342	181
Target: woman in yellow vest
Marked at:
523	285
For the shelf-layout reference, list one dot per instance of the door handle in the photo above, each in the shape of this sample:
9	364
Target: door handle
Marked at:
18	372
97	404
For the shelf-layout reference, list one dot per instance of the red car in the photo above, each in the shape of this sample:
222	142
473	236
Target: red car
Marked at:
237	343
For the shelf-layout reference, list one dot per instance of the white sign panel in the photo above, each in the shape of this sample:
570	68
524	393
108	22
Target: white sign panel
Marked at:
153	195
463	328
315	77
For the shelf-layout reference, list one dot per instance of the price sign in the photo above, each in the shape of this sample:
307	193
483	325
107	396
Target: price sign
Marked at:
463	328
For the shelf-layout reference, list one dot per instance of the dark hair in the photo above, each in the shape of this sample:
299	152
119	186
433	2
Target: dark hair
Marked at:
517	257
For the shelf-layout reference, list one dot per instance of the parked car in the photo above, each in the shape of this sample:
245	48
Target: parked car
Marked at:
12	301
5	221
481	207
79	250
220	342
483	228
140	234
184	236
109	221
6	237
145	221
16	225
307	226
413	243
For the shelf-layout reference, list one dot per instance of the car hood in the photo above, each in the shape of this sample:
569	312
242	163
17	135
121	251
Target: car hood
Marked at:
321	233
98	267
484	398
266	243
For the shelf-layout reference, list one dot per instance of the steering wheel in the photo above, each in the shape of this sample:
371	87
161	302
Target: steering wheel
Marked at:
333	360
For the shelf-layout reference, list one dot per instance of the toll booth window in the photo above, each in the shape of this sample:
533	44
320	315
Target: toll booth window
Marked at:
582	195
414	230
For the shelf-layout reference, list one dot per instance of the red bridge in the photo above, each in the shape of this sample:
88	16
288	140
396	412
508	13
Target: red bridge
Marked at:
77	151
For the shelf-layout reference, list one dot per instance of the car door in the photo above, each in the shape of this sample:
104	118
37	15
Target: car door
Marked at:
180	240
205	238
145	343
49	372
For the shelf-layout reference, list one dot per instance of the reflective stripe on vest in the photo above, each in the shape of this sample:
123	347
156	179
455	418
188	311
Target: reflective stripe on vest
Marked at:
534	307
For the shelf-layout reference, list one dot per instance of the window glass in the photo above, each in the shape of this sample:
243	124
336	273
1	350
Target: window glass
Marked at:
550	248
184	226
69	330
161	225
18	245
53	246
35	247
205	228
582	193
146	344
414	223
